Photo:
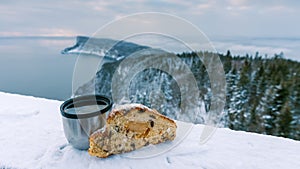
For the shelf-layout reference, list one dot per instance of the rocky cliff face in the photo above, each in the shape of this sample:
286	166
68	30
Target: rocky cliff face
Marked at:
152	77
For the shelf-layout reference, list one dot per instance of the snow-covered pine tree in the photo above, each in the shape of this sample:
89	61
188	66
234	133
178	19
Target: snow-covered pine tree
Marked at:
295	107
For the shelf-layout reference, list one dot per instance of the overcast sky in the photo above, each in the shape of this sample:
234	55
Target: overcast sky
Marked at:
232	18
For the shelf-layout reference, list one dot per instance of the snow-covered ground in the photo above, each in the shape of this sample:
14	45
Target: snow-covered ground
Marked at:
31	136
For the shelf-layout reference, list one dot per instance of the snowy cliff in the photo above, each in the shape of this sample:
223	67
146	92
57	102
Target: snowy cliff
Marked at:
149	76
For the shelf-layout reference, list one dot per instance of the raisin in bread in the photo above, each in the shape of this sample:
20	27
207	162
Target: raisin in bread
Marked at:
130	127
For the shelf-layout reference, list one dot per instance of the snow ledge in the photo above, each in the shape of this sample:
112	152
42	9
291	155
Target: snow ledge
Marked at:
31	136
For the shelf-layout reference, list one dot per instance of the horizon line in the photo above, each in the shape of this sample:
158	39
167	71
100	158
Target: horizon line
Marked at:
222	37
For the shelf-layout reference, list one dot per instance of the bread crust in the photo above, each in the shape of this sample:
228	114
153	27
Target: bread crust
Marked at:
129	127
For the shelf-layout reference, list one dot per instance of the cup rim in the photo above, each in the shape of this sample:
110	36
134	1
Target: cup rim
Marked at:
85	100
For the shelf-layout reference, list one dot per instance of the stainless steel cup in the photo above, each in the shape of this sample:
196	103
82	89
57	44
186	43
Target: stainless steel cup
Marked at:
82	116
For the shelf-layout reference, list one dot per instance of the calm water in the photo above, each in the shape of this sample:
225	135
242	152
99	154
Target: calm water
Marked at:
34	66
264	45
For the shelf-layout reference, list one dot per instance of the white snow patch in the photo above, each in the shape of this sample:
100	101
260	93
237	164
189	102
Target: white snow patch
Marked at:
31	136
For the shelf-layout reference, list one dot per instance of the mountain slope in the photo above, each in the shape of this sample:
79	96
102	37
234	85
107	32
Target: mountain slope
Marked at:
31	136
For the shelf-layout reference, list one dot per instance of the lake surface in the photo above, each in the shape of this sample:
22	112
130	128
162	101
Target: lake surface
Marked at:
34	65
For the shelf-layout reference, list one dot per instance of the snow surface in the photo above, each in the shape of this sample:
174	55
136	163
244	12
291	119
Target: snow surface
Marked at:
31	136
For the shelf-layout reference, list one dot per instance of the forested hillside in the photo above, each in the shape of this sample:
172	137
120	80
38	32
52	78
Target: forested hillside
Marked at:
263	93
